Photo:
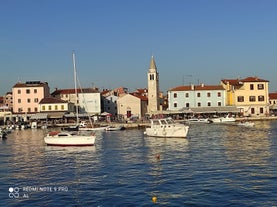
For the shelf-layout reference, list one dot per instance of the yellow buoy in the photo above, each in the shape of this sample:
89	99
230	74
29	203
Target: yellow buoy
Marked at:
154	199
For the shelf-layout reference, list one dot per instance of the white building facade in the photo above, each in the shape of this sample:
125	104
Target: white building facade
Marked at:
196	96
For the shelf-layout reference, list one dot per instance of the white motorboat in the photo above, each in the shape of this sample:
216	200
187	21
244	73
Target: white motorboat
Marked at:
223	119
112	128
167	127
68	139
199	120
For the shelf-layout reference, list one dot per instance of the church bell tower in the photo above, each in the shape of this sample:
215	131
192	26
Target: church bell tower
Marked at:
153	87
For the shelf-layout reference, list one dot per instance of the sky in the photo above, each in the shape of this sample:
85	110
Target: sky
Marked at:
192	41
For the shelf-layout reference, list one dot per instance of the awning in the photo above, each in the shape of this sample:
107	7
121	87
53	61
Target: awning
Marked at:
56	115
72	115
220	109
38	116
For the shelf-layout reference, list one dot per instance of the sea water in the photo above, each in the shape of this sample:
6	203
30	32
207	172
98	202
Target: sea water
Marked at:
217	165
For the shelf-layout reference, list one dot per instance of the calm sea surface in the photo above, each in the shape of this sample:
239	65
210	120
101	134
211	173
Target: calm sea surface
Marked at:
217	165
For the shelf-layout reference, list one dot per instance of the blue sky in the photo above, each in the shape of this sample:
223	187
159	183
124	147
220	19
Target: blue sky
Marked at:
192	41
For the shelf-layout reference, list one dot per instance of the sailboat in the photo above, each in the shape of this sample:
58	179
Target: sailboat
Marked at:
70	138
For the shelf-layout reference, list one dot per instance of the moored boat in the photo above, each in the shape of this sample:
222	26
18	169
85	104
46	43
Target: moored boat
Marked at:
223	119
199	120
68	139
112	128
167	127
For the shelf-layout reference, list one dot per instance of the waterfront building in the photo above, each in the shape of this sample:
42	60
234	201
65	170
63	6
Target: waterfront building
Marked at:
55	108
132	106
26	96
8	100
153	88
109	104
109	99
198	96
88	100
250	95
273	103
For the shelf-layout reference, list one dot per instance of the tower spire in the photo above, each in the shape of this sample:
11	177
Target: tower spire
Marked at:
152	63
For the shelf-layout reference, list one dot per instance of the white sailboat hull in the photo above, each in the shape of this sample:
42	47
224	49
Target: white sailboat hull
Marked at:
66	139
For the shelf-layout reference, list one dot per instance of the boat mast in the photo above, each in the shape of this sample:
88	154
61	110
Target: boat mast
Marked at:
75	86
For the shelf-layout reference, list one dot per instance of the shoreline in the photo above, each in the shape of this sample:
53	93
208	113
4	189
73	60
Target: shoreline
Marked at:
142	125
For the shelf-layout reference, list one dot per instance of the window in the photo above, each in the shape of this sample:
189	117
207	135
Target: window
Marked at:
36	109
252	110
260	98
62	107
251	86
198	95
49	108
56	107
29	109
35	90
219	94
175	105
19	91
209	104
187	105
208	94
198	104
28	100
152	77
252	98
240	98
43	108
175	95
19	100
260	86
36	100
187	95
261	110
219	103
28	91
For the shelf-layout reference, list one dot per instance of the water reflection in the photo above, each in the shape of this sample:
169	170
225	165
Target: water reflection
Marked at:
248	146
216	164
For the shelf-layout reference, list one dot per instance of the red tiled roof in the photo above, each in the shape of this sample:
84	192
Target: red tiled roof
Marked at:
253	79
197	88
51	100
233	82
72	91
236	82
143	98
30	84
272	95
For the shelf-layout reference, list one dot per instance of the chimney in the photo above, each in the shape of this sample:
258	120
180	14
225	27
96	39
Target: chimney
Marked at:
192	87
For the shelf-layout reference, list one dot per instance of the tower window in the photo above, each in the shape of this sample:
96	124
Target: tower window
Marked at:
152	77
